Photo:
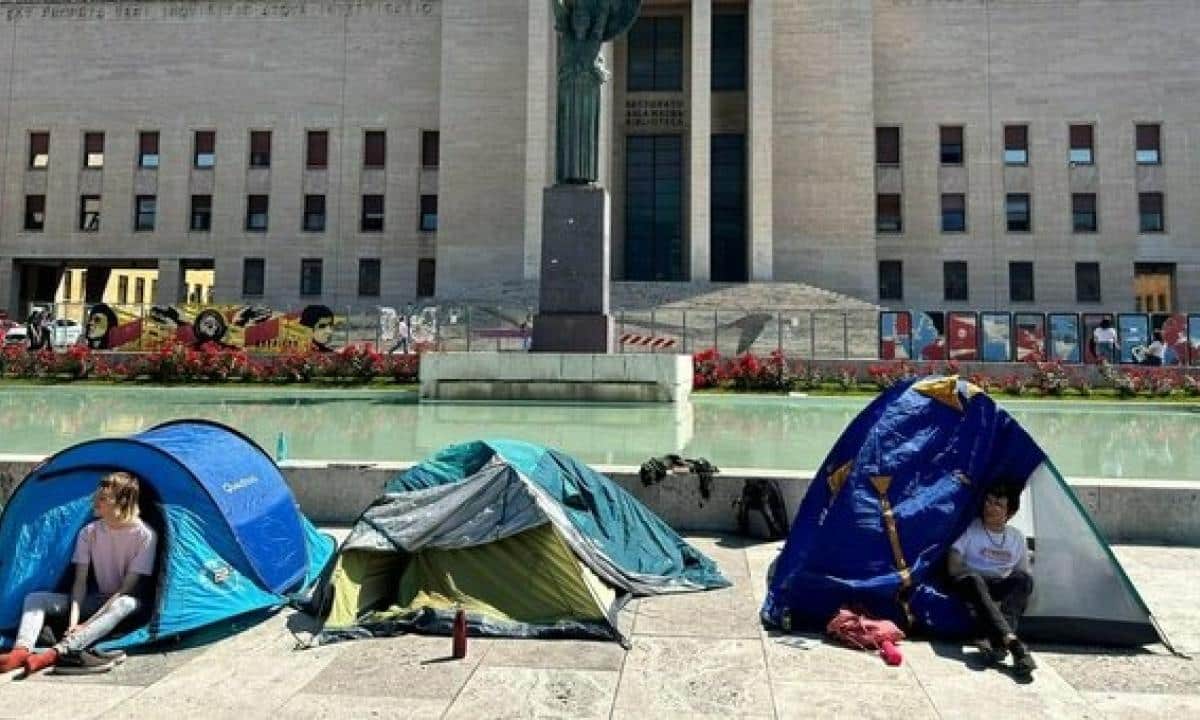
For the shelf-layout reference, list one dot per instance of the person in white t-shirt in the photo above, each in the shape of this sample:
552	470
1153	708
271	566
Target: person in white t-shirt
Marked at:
403	335
1104	341
1156	352
990	570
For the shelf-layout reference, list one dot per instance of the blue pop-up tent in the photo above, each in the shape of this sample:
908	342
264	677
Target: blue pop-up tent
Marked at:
899	487
232	539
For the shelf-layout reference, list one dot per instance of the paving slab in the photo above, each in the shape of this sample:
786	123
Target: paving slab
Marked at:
1125	672
251	673
507	692
806	657
145	670
695	676
21	700
1144	707
835	697
726	613
555	655
729	552
411	666
991	694
310	706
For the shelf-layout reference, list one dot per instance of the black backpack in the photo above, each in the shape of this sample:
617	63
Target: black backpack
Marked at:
762	495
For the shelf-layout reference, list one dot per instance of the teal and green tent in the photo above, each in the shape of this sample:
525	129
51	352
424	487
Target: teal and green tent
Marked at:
528	541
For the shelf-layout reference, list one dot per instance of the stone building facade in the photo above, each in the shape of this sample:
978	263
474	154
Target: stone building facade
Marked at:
923	153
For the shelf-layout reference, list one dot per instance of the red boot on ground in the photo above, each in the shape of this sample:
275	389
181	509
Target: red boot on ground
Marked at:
14	659
41	661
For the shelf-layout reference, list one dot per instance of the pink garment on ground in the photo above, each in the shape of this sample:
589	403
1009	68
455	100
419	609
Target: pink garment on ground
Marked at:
115	552
862	632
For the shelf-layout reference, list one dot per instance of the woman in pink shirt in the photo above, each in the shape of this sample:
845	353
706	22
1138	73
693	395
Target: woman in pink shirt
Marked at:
118	550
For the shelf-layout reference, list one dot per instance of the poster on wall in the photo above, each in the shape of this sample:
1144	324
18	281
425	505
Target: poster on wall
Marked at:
962	336
895	335
1134	331
1194	337
1029	336
997	331
1091	321
1174	329
929	336
1064	337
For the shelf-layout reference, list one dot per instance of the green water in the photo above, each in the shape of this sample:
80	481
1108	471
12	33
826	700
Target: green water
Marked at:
1093	439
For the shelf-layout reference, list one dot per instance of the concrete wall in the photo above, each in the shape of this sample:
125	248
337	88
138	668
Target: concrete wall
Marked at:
1112	63
485	129
1127	511
824	206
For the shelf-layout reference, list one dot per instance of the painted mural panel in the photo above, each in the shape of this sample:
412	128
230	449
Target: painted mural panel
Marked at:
895	335
1064	338
997	336
1030	336
1134	331
962	336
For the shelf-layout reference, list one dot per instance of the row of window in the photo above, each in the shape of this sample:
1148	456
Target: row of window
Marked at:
312	271
1081	140
1018	213
655	53
145	213
204	149
956	286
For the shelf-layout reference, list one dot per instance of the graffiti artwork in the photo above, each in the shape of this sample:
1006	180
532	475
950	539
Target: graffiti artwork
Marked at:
997	336
245	326
1194	338
895	336
929	336
1064	337
1174	329
962	336
1134	332
1030	339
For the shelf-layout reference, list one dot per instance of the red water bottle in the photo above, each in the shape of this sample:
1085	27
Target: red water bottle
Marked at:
460	634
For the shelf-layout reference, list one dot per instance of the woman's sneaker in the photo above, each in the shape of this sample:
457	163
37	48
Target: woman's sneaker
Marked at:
85	662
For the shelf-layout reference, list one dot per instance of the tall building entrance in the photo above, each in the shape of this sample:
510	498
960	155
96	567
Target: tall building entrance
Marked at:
654	207
729	253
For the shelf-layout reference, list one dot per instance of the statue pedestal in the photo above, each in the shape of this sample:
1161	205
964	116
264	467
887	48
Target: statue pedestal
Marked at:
573	306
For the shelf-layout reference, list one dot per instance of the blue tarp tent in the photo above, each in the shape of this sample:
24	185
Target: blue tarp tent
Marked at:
232	539
902	483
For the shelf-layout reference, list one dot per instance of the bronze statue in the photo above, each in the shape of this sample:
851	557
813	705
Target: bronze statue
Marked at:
583	27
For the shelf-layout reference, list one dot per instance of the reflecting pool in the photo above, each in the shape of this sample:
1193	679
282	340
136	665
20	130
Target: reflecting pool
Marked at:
1084	439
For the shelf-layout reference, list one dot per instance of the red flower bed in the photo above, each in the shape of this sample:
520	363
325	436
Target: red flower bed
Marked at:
776	372
211	363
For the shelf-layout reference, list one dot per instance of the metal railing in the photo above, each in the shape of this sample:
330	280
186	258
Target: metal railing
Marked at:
469	327
835	334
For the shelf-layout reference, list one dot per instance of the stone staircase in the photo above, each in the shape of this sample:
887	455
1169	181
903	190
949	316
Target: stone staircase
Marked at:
804	320
768	296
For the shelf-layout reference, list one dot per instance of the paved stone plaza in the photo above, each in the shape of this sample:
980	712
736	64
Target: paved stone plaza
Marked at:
693	656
